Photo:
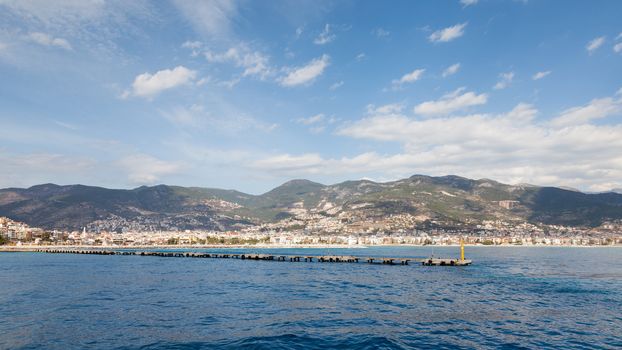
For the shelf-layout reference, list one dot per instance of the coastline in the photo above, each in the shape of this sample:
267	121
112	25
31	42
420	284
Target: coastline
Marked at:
30	248
173	247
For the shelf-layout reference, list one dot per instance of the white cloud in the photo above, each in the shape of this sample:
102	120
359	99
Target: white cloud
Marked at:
451	70
617	47
506	80
289	164
317	123
314	164
412	76
594	44
448	34
149	85
312	120
515	164
512	147
408	78
254	63
213	18
94	25
380	32
540	75
336	85
307	73
203	81
66	14
597	109
325	36
454	101
145	169
223	118
56	13
361	56
47	40
392	108
192	44
466	3
27	169
231	83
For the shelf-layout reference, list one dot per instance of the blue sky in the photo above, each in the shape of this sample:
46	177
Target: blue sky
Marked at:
249	94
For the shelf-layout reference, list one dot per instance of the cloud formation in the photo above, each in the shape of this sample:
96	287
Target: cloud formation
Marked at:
409	77
149	85
289	164
93	25
222	118
380	32
325	36
596	109
512	147
212	18
505	81
448	34
451	70
26	169
312	119
305	74
145	169
540	75
594	44
466	3
317	123
336	85
451	102
254	63
47	40
391	108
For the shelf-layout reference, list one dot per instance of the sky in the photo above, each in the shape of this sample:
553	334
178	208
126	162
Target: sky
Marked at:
249	94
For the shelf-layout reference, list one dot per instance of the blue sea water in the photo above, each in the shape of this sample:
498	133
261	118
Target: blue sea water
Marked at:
511	298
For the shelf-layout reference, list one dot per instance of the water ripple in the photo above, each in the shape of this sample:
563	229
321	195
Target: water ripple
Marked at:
512	298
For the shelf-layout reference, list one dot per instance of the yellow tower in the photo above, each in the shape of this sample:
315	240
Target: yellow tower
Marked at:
461	249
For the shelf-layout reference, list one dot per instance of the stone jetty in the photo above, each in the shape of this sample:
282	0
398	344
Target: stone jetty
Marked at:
264	257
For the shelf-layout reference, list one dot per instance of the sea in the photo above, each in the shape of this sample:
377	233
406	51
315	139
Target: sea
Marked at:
510	298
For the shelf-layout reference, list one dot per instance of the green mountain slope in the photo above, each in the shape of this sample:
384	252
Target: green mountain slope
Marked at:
450	200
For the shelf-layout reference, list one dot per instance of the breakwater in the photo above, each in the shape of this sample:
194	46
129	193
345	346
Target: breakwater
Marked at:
268	257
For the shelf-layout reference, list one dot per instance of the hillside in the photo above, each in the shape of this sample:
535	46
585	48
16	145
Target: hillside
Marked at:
447	200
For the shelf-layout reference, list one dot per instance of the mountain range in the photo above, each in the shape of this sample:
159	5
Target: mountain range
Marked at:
448	200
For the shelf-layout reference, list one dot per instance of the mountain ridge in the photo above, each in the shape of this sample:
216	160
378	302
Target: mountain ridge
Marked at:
448	200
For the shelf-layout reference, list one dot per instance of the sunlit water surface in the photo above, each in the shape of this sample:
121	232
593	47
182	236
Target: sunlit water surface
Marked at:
567	298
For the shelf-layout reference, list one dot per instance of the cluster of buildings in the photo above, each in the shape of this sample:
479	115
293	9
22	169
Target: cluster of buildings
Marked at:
13	231
323	232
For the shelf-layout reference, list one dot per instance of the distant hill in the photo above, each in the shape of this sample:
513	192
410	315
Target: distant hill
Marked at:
447	199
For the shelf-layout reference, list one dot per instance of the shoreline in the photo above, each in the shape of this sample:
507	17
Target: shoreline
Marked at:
30	248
